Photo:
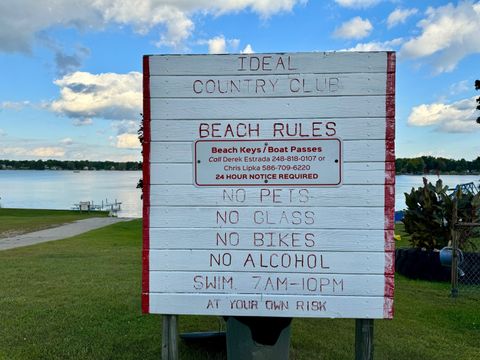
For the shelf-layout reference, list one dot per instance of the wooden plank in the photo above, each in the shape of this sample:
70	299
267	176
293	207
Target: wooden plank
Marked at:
347	195
346	129
169	337
315	262
272	108
363	339
269	305
269	239
269	217
332	62
353	151
247	86
279	283
369	173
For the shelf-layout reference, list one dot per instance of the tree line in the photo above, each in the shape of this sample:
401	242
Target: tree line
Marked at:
436	165
68	165
417	166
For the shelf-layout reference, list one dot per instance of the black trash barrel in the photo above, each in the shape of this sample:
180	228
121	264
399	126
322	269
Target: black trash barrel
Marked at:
258	338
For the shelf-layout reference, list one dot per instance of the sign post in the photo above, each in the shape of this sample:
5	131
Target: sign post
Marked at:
364	339
269	185
169	338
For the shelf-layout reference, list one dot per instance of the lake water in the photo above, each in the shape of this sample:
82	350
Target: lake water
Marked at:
62	189
404	184
33	189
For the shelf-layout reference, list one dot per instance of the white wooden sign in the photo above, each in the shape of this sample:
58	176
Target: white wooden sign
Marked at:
269	184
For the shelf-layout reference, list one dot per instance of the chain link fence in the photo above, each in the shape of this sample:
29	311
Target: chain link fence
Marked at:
467	279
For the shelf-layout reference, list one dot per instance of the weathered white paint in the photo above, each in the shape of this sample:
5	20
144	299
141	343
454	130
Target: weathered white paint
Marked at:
269	217
270	261
268	108
344	230
370	307
270	239
353	151
280	283
188	195
217	65
368	173
292	85
348	129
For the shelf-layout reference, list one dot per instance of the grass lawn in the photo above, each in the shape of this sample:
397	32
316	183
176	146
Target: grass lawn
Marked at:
80	299
20	221
405	243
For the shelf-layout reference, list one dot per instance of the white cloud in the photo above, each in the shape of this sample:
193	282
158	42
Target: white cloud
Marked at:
66	141
234	43
217	45
357	3
48	152
449	33
248	50
460	87
355	28
23	20
39	152
456	117
3	132
110	96
376	46
220	45
128	141
82	122
399	16
126	158
126	126
14	105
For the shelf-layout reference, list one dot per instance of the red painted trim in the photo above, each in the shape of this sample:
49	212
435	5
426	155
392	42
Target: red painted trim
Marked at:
390	128
390	150
390	173
146	186
389	285
389	187
389	245
389	262
388	309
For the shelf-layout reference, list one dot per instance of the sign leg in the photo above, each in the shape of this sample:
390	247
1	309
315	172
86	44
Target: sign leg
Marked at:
169	338
173	351
364	339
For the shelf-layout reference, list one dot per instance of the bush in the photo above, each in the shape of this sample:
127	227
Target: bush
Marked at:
428	217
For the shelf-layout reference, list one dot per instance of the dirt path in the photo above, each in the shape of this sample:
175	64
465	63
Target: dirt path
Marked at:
58	233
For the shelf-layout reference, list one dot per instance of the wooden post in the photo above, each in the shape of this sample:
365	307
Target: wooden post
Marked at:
173	338
169	338
165	336
454	273
363	339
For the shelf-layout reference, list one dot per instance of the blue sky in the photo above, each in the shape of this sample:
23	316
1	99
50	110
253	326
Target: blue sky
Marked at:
71	70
